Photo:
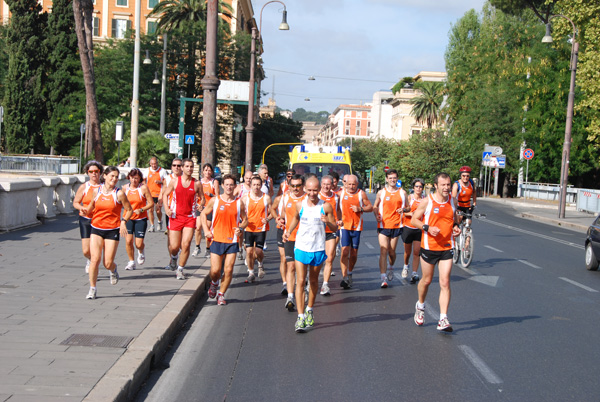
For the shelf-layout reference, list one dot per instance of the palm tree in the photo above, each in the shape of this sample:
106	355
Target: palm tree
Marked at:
426	106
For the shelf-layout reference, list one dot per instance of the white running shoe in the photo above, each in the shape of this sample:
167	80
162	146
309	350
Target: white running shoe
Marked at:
405	272
261	272
265	247
390	274
173	263
91	294
130	266
251	277
87	266
180	274
158	226
196	251
150	228
325	291
444	325
141	258
419	315
240	255
114	276
207	253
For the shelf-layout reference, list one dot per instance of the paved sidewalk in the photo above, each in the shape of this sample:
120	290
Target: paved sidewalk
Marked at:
547	212
42	304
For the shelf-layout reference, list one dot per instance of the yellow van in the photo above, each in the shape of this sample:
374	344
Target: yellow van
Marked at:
320	160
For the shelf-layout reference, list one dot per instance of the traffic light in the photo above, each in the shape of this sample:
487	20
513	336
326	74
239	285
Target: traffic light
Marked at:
239	169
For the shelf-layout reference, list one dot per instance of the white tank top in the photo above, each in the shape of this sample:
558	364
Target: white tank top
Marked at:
311	232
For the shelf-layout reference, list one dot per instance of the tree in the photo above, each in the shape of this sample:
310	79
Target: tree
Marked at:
426	106
82	10
403	83
541	8
276	129
25	78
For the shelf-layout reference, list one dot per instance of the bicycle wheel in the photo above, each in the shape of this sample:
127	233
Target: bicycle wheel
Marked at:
456	254
467	255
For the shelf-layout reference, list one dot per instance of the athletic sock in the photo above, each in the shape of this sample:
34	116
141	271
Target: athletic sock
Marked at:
92	288
214	283
421	306
442	316
405	266
301	316
180	268
291	295
251	272
325	283
414	273
309	309
383	277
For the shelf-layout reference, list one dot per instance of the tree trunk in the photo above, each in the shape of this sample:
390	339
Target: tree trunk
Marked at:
82	10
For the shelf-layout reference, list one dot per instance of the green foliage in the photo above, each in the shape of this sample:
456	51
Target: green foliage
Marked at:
301	114
278	129
542	8
406	81
426	105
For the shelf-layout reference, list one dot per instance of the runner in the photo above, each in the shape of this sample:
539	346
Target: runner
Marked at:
227	212
285	183
84	195
411	236
388	207
240	191
337	190
353	202
267	186
331	237
210	188
176	171
436	216
154	181
463	191
309	249
106	208
141	202
258	211
288	209
182	215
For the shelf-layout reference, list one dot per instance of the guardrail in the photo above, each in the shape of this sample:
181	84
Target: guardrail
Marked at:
547	191
588	200
44	164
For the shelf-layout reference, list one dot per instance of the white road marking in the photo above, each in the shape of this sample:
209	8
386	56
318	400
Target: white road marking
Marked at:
568	243
470	271
530	264
486	280
578	285
432	312
480	365
493	248
369	245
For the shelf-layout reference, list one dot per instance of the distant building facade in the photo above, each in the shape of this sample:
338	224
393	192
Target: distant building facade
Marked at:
310	131
346	121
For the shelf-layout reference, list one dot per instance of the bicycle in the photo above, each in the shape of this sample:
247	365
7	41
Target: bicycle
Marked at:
462	252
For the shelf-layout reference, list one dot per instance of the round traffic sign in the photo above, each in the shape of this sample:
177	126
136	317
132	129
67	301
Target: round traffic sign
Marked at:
528	153
385	169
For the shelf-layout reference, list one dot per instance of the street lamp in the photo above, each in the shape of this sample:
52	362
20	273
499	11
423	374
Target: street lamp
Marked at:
564	167
255	34
135	103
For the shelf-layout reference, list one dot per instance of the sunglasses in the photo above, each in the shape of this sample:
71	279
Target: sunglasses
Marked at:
295	185
465	175
174	165
418	186
93	171
289	175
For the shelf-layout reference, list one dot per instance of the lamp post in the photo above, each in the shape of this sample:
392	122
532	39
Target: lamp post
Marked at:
564	167
163	89
256	34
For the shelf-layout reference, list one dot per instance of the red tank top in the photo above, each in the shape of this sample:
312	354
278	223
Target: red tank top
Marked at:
226	217
184	199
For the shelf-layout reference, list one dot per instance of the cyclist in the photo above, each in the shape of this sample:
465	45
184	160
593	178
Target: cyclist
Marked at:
463	191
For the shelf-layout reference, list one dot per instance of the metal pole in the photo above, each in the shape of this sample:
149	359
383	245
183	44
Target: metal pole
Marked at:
81	131
135	103
163	90
527	172
210	84
250	126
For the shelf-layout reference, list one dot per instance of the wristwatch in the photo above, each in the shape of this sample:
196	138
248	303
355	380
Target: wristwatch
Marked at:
426	228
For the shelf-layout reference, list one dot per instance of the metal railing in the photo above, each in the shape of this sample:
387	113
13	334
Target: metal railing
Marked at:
37	164
588	200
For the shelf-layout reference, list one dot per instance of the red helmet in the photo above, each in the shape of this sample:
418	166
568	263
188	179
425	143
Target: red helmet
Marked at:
465	169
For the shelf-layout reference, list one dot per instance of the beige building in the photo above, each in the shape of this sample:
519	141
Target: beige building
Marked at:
311	130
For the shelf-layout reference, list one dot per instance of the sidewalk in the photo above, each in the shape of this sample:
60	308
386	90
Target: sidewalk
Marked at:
547	212
57	346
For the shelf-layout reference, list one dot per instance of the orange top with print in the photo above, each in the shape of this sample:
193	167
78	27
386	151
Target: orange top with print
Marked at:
413	203
464	194
107	210
88	196
150	181
441	215
256	210
289	205
226	217
137	200
389	203
333	200
351	220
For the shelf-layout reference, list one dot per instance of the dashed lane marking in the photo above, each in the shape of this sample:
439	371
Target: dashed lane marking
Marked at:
568	243
369	245
493	248
578	284
480	365
529	264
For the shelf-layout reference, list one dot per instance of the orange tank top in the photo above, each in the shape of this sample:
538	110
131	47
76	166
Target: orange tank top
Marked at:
414	204
389	203
333	200
226	217
351	220
137	200
150	181
441	215
107	210
256	210
88	196
289	206
208	188
464	194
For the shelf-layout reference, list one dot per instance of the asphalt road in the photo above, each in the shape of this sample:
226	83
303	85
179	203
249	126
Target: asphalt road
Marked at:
524	317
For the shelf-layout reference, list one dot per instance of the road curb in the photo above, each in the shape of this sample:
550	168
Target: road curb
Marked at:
555	222
124	379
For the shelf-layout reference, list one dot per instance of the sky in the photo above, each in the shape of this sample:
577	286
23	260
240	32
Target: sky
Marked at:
352	47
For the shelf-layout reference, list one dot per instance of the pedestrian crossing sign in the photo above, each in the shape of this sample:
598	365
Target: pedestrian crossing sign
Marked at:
189	140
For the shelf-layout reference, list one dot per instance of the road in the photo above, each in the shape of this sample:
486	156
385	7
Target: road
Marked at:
524	315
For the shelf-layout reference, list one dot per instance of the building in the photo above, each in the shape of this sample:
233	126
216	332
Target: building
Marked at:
381	114
310	131
346	122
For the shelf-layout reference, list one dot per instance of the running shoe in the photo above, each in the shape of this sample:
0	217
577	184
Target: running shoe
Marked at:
405	272
309	318
207	253
419	315
300	325
173	263
444	325
332	273
150	228
290	304
325	291
344	284
212	290
196	251
158	227
350	280
91	294
87	266
114	276
338	250
414	278
251	277
384	284
265	247
180	274
246	262
390	274
221	300
284	291
261	272
130	266
141	258
240	255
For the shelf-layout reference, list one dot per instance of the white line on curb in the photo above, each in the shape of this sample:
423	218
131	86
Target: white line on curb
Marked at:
480	365
579	285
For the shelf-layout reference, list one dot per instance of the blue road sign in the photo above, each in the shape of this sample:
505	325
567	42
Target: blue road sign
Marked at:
486	155
172	136
501	161
189	140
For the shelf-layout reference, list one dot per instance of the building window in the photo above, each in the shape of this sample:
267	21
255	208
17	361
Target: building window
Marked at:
369	124
122	3
151	27
96	28
347	132
119	28
414	132
152	4
347	123
358	123
358	131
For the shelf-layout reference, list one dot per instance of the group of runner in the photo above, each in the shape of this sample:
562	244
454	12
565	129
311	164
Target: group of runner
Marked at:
312	218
